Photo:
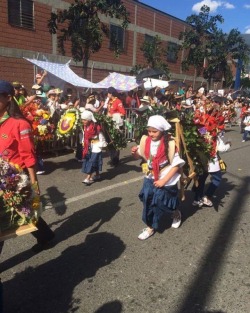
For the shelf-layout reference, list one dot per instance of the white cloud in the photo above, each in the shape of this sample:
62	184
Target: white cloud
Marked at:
247	29
213	5
247	6
228	5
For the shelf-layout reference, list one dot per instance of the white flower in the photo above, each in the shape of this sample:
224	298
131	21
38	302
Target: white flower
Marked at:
23	182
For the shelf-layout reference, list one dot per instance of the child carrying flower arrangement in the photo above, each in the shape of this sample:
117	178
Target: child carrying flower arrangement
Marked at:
159	193
93	142
17	147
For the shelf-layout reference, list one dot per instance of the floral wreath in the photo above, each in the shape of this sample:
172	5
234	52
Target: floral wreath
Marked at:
68	123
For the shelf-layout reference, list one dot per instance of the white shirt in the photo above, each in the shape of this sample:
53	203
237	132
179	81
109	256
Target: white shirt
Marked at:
97	143
247	121
177	161
213	165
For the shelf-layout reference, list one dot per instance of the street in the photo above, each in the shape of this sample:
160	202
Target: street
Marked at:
97	264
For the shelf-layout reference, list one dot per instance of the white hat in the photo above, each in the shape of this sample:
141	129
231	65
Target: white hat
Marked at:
145	99
87	115
201	90
51	92
158	122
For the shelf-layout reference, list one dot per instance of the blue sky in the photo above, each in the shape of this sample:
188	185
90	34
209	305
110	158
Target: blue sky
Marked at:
236	13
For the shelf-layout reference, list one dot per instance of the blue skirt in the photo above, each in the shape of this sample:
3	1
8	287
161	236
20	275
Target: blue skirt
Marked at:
92	163
157	202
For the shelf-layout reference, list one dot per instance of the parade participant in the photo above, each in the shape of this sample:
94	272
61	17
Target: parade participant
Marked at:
213	123
246	123
93	142
17	147
116	111
204	198
159	193
244	109
115	104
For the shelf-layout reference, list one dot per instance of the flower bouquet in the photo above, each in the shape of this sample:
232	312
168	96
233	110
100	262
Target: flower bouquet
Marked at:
43	129
19	200
68	123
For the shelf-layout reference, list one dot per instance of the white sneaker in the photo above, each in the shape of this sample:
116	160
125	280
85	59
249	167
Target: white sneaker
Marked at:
176	221
40	172
198	203
87	181
207	202
145	234
243	140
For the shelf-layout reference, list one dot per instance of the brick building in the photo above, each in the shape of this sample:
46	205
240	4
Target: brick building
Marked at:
24	33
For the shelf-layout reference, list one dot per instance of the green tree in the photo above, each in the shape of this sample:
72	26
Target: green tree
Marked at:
226	50
81	24
209	50
197	39
154	54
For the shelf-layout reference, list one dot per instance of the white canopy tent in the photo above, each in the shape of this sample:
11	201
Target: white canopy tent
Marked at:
62	73
150	83
119	81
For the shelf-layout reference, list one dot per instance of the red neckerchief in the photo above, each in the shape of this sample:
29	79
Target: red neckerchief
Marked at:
90	131
158	158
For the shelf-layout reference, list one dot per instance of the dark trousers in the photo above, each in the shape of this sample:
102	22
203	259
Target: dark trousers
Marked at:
114	155
214	184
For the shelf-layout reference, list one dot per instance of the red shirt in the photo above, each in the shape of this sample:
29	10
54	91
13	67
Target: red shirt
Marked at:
116	106
128	101
16	142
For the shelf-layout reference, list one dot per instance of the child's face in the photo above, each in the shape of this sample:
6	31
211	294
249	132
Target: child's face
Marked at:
86	122
154	133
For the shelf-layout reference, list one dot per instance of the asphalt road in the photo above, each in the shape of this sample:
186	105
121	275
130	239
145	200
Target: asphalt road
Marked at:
97	264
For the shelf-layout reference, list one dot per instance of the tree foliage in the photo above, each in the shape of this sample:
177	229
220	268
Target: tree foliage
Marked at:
211	51
81	24
154	54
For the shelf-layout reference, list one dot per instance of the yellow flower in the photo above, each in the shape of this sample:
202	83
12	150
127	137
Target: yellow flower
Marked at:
42	129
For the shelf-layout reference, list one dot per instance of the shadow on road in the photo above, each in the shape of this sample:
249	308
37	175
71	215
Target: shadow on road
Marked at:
110	307
100	213
201	287
50	286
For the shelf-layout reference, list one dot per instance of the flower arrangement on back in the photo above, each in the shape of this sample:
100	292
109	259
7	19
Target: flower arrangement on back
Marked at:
43	129
19	203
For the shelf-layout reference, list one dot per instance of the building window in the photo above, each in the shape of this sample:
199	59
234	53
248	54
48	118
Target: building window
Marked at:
172	52
149	39
116	37
21	13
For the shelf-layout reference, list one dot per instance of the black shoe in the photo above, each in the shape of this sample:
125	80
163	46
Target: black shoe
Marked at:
40	246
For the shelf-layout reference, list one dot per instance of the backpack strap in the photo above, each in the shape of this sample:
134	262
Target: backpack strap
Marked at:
171	150
142	146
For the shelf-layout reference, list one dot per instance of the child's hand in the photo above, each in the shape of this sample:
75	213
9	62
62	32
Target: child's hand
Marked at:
134	149
159	183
